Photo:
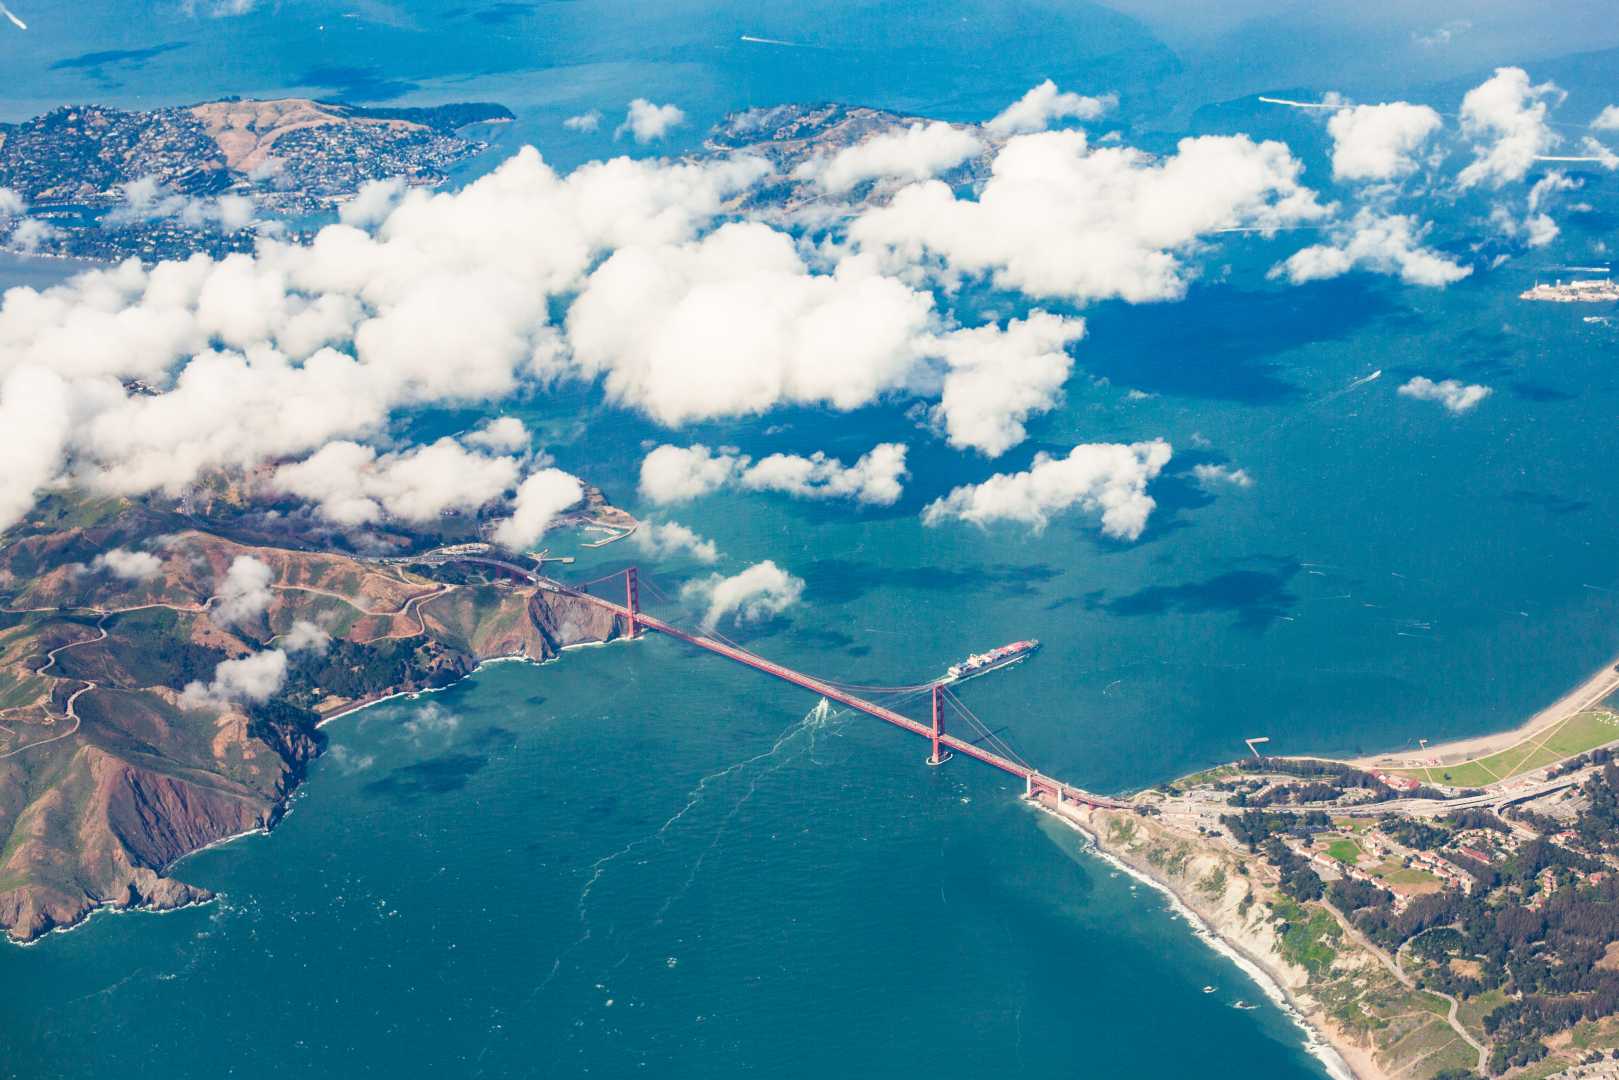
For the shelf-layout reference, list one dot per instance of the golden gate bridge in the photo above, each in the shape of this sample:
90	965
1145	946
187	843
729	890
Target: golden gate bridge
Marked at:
987	747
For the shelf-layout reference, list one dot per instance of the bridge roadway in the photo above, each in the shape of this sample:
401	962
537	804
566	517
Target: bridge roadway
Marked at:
1036	784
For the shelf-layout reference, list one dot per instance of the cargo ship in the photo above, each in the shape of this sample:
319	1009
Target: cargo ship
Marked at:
983	663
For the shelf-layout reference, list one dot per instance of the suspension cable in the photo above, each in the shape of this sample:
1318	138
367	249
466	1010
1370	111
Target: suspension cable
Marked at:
897	695
584	586
995	740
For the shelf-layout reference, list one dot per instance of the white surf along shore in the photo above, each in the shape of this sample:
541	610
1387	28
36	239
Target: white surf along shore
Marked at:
1316	1042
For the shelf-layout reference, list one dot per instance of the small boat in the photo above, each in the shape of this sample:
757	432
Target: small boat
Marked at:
1208	989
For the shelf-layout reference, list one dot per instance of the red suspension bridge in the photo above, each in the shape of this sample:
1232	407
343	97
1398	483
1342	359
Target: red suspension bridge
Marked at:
945	707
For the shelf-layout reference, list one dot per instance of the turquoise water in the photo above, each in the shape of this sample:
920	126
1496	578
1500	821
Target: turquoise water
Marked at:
641	862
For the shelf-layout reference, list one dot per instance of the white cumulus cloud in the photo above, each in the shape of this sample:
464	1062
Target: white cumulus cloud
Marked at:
1379	142
875	478
36	415
1378	242
502	435
761	591
1060	218
646	122
1599	151
540	498
1451	393
128	565
996	379
146	199
1210	477
306	636
1042	104
585	121
1505	116
272	355
354	485
1535	229
663	540
671	474
372	203
736	324
1109	479
252	678
909	154
244	592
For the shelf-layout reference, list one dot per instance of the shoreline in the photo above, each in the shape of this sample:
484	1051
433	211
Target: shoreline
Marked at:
286	806
107	907
510	658
1586	694
1318	1043
1339	1058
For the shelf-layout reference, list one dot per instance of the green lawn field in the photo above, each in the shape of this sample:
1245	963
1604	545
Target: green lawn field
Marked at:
1581	732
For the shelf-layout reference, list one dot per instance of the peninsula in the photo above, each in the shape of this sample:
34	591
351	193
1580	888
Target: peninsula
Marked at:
1447	913
164	671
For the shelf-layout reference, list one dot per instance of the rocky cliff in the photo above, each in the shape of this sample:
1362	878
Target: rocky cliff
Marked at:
128	736
1378	1026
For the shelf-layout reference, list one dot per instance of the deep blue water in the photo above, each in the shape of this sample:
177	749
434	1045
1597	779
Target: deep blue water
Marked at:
640	863
783	898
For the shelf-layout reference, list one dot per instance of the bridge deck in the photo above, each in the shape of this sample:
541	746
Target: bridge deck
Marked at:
1039	785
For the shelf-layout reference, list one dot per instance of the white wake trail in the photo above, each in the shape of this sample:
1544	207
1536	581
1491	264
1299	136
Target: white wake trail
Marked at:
1301	104
815	719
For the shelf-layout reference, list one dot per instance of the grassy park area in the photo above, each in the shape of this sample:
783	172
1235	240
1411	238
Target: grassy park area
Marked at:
1583	731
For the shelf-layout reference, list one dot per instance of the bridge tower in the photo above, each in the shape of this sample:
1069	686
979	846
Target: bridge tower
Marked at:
632	598
938	758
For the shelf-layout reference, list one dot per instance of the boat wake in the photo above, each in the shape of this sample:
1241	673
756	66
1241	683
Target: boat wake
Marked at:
726	791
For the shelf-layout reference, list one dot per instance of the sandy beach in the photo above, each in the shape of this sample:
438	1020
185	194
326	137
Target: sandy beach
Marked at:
1599	685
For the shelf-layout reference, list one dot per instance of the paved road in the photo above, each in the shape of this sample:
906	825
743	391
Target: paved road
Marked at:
1436	807
73	698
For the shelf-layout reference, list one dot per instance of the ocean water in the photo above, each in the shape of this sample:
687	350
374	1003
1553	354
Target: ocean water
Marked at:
640	861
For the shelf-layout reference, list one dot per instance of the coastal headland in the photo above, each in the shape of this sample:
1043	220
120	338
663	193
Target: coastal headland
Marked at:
1414	926
164	675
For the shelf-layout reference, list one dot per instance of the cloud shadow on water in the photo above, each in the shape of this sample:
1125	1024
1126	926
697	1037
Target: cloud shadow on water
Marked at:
1544	395
840	581
1217	343
435	776
1176	495
1256	597
99	65
1550	502
357	83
